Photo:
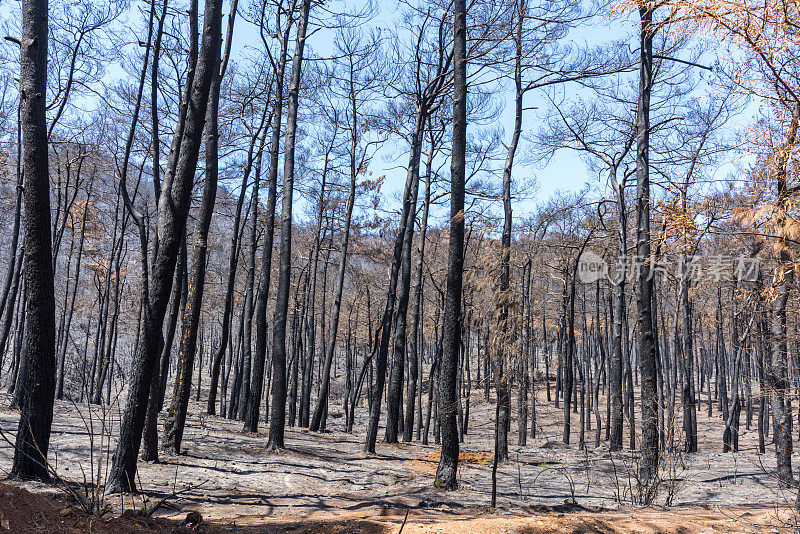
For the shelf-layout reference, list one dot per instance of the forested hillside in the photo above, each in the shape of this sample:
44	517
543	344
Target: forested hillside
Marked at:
448	258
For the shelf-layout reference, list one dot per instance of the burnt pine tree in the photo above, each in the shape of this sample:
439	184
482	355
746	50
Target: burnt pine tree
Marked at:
278	408
260	313
777	375
394	393
360	77
644	303
233	261
451	341
36	380
415	350
150	432
618	302
176	417
612	158
172	212
150	437
425	102
503	398
382	346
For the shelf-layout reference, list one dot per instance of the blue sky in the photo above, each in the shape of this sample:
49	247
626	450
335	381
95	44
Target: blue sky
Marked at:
565	171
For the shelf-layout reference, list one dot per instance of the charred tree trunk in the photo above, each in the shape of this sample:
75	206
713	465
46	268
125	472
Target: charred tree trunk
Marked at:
688	397
446	472
415	354
394	394
777	378
617	358
646	337
176	416
505	328
278	408
318	422
173	209
385	326
150	436
69	314
227	312
37	368
260	355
